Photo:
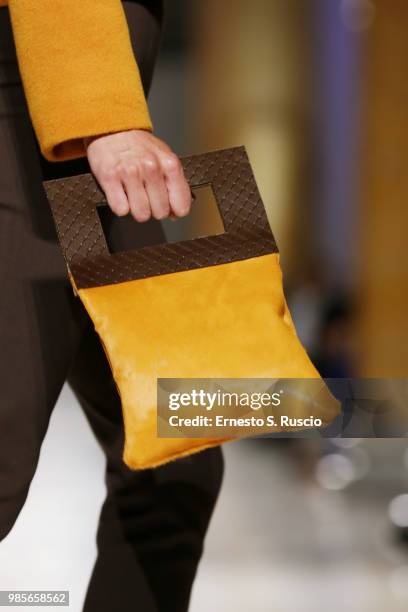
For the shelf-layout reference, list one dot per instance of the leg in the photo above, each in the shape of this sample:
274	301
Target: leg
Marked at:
40	323
153	523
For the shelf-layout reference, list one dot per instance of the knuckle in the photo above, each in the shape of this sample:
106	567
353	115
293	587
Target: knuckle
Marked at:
172	164
131	171
150	165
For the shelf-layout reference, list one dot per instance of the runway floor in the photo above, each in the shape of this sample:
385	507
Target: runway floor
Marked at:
277	542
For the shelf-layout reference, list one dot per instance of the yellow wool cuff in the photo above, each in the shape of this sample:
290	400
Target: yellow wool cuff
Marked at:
78	70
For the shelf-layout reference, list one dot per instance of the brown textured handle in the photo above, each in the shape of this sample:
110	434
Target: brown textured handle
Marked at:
247	234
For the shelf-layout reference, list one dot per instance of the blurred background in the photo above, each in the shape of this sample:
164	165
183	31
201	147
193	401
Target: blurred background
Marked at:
317	91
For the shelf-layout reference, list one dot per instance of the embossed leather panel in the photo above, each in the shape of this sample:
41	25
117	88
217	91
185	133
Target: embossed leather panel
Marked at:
74	200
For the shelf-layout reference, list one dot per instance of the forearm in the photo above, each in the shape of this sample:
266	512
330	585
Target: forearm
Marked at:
78	70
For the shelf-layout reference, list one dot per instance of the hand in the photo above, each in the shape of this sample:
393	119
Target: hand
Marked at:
139	174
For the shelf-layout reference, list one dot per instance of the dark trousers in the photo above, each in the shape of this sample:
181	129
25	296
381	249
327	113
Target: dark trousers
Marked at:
152	523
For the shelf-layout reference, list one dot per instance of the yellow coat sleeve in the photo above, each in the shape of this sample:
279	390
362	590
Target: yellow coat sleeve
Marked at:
78	70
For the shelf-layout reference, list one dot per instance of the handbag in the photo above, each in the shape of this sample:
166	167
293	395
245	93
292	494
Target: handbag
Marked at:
209	307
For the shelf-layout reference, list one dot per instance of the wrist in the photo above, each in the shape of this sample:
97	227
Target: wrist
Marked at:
89	139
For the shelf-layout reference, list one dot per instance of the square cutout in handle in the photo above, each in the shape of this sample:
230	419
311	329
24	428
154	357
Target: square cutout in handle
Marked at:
126	234
74	202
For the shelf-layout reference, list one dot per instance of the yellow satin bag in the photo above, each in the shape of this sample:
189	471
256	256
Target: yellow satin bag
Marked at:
212	307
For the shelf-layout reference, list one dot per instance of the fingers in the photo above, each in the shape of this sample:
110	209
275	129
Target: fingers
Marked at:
179	192
139	174
114	192
136	194
156	188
